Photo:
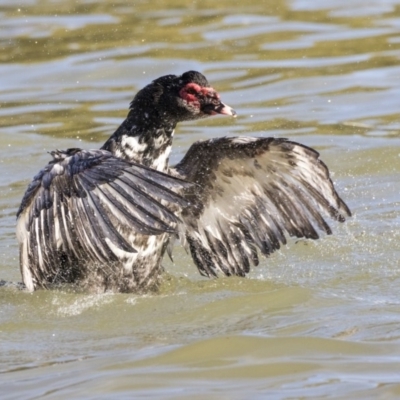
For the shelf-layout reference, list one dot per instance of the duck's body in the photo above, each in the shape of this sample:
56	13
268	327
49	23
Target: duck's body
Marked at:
245	194
144	138
76	219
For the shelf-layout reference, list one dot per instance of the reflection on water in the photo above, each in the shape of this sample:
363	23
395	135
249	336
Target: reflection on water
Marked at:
316	318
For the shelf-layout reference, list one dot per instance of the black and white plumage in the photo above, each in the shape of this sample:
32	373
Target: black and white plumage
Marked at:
249	194
82	206
229	198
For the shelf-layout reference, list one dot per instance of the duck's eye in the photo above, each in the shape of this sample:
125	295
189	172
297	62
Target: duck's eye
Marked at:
191	90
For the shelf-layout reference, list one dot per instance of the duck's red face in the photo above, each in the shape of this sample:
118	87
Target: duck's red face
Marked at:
204	100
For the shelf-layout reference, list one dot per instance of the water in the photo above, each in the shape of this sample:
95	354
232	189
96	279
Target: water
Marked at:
316	320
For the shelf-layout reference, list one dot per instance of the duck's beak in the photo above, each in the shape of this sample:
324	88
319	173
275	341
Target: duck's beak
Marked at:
212	105
217	107
224	110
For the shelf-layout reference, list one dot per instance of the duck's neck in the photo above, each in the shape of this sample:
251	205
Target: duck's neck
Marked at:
143	137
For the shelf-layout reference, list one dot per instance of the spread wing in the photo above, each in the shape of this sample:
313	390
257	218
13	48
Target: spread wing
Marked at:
250	194
82	205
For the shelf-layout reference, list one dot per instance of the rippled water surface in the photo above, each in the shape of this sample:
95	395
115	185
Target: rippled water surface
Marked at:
316	320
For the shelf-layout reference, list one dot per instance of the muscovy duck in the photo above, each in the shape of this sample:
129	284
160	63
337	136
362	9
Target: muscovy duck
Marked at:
104	218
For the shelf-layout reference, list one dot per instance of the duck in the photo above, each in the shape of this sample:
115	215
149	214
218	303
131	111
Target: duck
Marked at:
104	219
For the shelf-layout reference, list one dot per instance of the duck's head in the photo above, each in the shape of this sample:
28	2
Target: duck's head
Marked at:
180	98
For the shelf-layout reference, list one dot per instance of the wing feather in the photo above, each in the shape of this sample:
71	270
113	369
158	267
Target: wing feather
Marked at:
157	189
251	193
81	208
122	205
143	209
